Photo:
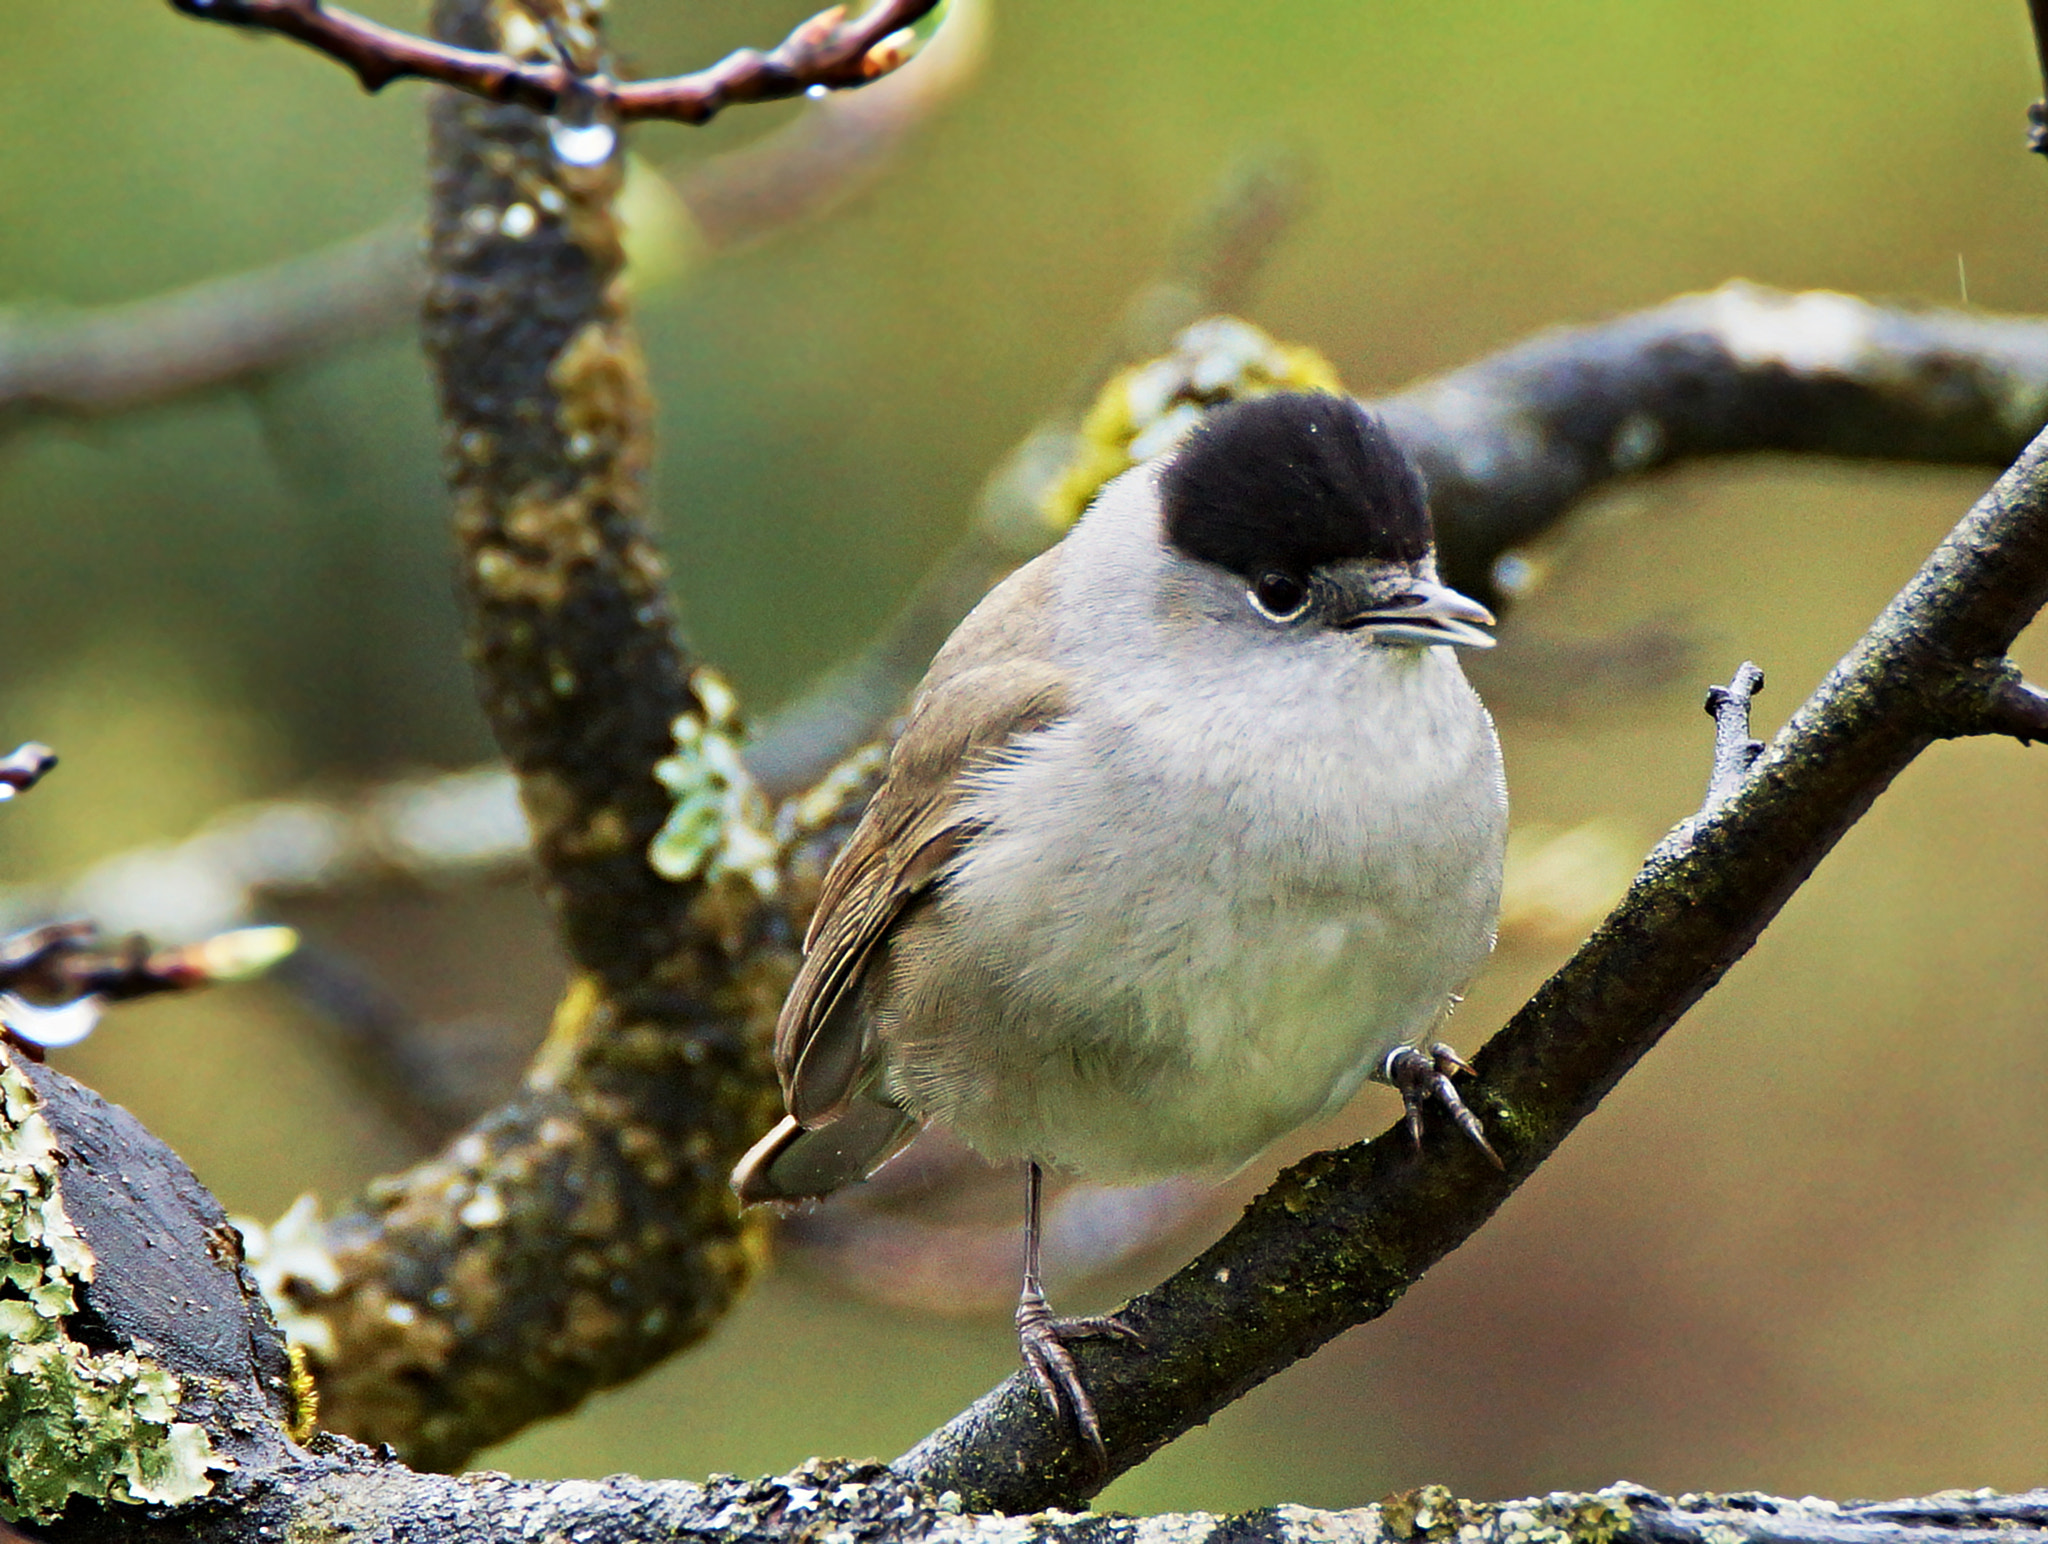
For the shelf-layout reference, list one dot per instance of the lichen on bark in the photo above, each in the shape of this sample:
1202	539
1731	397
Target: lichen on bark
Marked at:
80	1421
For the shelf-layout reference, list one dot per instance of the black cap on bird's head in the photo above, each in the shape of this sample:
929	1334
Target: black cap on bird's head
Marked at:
1306	498
1294	480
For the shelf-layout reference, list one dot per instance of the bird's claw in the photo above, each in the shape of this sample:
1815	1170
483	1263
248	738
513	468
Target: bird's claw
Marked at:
1043	1339
1424	1077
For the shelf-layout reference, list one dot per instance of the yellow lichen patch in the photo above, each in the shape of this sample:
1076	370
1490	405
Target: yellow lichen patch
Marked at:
602	383
1146	409
558	527
567	1032
305	1396
79	1422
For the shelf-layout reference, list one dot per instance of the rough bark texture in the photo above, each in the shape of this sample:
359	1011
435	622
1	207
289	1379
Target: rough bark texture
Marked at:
586	1230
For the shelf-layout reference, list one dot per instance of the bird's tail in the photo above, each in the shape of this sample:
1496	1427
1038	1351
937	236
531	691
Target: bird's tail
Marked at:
793	1163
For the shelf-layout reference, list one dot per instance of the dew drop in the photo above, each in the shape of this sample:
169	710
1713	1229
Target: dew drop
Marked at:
52	1028
583	144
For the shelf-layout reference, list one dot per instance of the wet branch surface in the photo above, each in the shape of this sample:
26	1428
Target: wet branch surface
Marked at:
241	327
446	1336
167	1287
585	1230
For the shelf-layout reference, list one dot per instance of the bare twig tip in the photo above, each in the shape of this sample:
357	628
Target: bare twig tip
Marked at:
1734	751
23	767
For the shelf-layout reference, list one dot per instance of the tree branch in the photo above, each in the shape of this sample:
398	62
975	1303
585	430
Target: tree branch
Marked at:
1339	1237
1513	443
586	1230
826	53
2006	705
121	357
2037	113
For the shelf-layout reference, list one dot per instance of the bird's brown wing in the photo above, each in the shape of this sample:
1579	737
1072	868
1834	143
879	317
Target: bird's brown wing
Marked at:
991	687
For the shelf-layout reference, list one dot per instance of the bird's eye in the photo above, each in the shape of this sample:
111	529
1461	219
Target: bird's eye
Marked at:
1279	596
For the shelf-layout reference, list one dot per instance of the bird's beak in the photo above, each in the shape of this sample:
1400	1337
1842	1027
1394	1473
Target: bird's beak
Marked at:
1423	612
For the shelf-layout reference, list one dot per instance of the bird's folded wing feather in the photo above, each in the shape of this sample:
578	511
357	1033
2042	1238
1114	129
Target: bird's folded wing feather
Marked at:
991	687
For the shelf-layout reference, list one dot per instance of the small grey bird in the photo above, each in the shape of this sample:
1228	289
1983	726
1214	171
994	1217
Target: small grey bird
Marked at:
1195	825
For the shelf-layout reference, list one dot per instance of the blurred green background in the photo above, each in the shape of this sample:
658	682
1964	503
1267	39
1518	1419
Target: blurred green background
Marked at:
1804	1248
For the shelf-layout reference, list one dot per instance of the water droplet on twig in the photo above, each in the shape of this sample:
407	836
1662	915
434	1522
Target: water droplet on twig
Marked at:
583	144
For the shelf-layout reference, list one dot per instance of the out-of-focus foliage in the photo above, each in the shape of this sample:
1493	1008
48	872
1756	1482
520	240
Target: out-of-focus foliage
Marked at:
1805	1247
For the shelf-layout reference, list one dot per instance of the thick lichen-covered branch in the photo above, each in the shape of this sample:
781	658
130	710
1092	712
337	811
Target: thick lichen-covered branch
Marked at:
585	1230
140	1364
1339	1237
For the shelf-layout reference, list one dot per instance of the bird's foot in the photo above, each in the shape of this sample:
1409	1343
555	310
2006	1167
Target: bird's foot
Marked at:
1425	1076
1043	1339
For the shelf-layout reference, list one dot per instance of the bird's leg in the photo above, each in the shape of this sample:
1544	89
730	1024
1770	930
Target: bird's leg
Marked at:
1043	1338
1425	1076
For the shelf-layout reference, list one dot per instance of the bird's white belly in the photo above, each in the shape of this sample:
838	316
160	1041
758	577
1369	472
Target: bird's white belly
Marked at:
1198	986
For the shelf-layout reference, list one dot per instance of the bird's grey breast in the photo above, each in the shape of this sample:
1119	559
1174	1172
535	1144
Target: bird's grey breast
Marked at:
1199	910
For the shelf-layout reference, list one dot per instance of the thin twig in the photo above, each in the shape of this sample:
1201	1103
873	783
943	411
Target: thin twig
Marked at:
25	766
826	53
1734	751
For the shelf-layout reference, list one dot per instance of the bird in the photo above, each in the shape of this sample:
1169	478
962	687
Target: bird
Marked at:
1194	825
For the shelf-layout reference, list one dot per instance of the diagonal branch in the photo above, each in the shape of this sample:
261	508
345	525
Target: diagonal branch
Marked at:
125	356
1517	439
826	53
168	1348
1342	1235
